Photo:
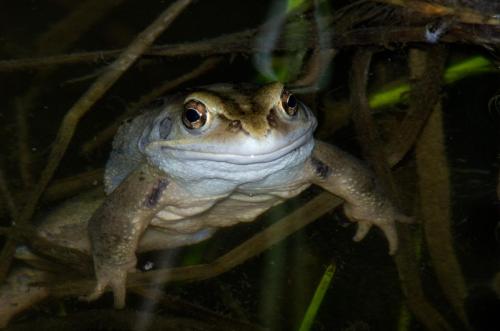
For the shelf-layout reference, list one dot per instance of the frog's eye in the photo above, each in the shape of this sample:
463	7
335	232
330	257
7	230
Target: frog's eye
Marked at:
194	115
289	103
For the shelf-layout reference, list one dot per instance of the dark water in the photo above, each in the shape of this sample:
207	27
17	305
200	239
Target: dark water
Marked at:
274	289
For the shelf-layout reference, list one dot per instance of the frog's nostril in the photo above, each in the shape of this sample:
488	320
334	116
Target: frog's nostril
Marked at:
235	125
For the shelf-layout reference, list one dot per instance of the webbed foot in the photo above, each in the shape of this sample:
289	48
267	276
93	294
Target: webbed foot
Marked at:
384	216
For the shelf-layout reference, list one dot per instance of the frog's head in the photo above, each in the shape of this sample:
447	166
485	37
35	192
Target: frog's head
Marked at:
238	124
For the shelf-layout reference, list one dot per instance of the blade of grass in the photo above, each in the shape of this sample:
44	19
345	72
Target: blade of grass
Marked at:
468	67
319	294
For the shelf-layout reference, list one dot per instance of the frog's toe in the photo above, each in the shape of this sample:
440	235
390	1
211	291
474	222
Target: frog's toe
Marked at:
96	293
361	231
114	277
119	292
389	230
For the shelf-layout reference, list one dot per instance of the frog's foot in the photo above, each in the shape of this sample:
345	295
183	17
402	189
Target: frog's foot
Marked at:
114	276
383	216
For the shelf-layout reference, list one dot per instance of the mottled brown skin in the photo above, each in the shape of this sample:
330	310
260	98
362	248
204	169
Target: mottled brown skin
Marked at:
344	176
115	241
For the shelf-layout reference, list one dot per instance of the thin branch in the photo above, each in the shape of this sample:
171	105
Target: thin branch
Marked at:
6	196
23	145
7	253
435	205
426	70
458	13
243	42
65	187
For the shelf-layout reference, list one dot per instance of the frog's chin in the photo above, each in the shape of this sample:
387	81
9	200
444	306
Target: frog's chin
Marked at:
239	157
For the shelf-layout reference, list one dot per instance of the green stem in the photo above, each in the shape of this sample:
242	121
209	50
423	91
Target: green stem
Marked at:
319	294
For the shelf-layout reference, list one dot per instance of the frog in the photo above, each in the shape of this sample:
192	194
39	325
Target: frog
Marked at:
205	159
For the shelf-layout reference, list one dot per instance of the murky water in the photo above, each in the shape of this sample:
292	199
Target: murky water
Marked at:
272	290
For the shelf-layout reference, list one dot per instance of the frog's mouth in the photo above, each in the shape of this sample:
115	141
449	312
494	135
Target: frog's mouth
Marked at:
190	151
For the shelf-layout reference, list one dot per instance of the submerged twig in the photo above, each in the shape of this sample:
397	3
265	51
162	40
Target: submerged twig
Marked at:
24	150
243	42
426	77
458	13
7	253
315	68
6	195
435	205
65	187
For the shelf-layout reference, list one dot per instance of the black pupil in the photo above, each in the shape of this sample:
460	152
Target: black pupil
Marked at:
192	115
291	102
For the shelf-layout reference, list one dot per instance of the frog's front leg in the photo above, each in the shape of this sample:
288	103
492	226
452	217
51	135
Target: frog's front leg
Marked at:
345	176
117	225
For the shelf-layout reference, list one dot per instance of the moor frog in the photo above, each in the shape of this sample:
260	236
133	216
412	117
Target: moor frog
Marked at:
208	158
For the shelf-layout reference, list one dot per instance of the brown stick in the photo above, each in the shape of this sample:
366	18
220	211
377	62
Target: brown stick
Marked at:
435	204
65	187
24	150
458	13
6	196
242	42
426	76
